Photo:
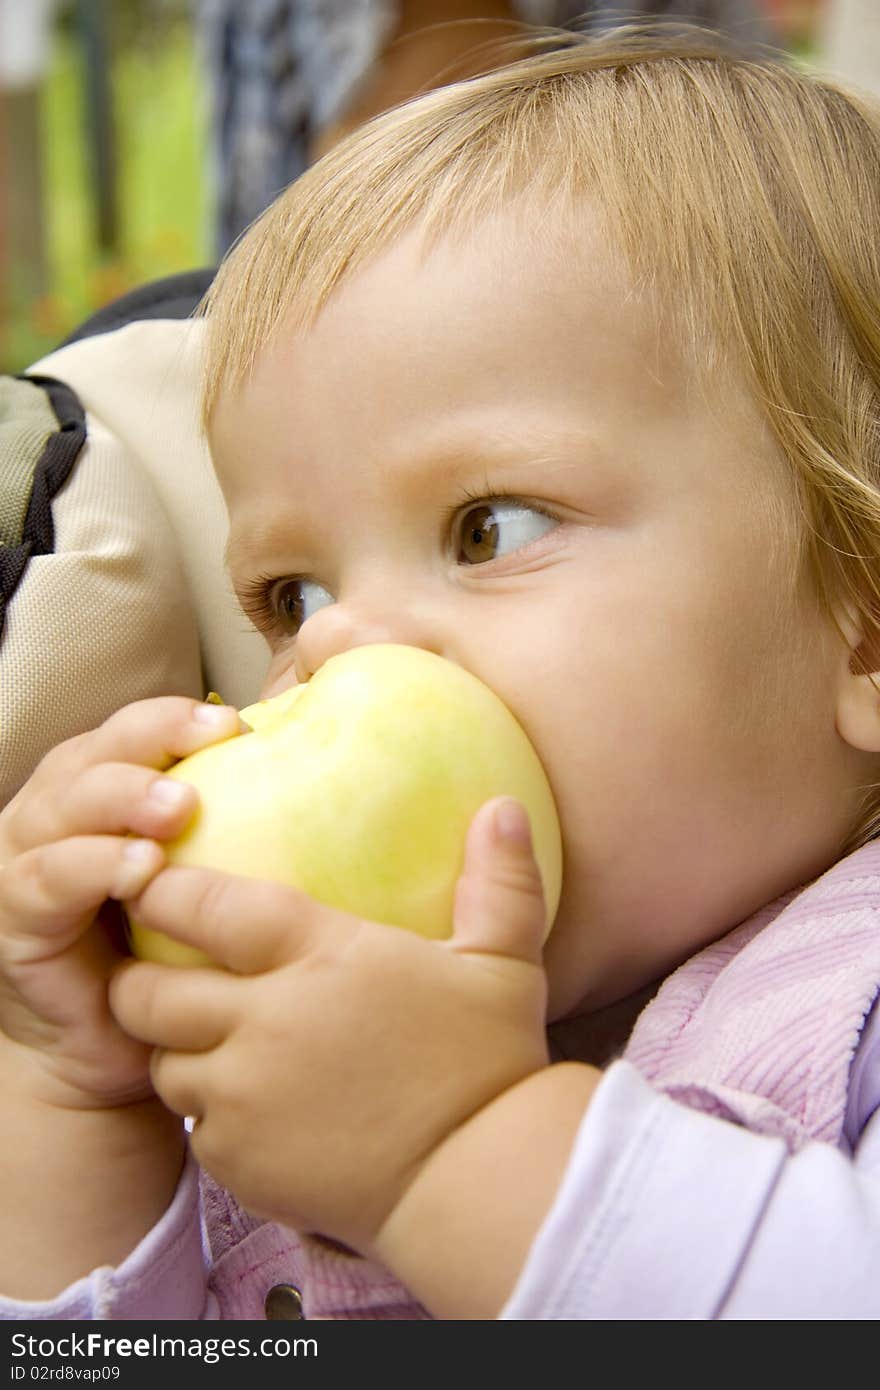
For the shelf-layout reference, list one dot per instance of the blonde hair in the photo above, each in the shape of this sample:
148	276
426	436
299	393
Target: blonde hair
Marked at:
740	188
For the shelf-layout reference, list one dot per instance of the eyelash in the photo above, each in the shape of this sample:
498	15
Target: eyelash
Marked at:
255	595
255	599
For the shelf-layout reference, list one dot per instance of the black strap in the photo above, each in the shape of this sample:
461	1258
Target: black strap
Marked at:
174	297
51	471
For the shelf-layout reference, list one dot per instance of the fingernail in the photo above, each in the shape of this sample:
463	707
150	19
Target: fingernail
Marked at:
168	792
139	863
512	823
214	716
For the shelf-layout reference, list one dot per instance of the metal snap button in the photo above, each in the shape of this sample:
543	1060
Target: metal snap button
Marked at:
283	1303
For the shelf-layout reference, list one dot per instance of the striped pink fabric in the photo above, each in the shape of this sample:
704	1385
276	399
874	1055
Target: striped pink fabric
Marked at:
249	1256
761	1027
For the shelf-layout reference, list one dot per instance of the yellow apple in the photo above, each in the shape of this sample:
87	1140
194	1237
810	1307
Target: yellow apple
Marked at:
358	787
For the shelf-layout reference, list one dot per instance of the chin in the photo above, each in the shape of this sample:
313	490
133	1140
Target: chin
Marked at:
579	984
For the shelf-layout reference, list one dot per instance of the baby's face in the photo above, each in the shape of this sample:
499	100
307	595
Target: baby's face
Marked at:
493	453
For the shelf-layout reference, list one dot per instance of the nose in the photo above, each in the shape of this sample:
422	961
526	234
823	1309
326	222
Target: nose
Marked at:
340	626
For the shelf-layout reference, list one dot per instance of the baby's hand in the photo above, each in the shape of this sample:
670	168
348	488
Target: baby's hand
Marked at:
65	851
334	1056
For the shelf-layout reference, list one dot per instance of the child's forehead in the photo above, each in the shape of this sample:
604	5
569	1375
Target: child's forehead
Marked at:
534	273
471	348
449	334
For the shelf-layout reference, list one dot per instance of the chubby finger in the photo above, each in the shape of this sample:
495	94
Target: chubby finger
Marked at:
177	1079
246	925
49	895
156	733
170	1008
499	898
152	734
109	799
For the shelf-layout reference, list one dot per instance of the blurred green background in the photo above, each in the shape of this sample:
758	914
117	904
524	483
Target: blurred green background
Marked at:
160	160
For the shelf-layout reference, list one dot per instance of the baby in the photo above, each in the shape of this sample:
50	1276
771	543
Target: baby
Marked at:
569	374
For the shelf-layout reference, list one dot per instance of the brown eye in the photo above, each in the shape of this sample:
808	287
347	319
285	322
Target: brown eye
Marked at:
478	538
492	529
290	604
281	606
295	600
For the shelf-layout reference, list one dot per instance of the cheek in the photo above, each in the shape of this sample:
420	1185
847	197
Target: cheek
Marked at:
645	704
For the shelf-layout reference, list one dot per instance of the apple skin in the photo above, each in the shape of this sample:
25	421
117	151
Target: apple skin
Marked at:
358	787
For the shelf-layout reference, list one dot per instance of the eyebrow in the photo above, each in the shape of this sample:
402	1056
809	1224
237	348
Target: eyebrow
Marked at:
238	548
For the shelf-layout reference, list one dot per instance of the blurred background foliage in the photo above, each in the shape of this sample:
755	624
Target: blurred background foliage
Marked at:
160	220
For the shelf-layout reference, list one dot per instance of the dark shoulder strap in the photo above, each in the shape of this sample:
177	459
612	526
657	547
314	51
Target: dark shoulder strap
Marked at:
42	431
174	297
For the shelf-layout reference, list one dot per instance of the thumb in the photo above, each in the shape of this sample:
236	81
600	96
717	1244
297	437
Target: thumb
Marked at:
499	898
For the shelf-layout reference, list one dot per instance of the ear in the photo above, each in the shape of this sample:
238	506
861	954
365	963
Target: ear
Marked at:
858	700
